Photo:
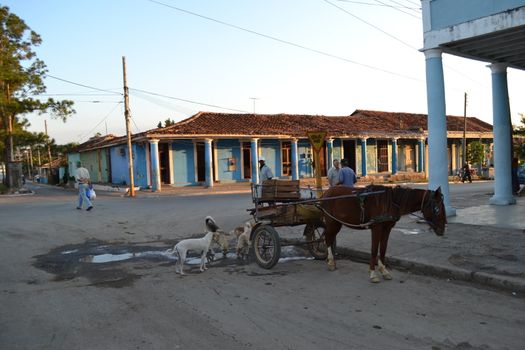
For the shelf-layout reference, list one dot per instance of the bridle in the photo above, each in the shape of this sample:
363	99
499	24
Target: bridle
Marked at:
435	207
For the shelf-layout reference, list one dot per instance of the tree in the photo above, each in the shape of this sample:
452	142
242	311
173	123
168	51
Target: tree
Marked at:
475	153
167	122
21	77
519	141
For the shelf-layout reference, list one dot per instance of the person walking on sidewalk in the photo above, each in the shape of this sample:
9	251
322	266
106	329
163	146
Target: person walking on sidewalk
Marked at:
83	180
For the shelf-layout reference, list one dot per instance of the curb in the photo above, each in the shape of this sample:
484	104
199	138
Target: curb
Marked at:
504	283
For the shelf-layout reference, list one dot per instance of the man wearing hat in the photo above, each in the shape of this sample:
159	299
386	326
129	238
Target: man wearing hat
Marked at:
83	180
265	173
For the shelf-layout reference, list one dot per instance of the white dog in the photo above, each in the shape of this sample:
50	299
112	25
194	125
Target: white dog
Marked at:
243	240
201	245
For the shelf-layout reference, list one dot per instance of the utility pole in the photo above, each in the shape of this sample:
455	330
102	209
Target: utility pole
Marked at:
254	99
128	129
464	144
48	145
30	162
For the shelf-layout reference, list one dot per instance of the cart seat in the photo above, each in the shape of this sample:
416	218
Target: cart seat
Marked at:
280	191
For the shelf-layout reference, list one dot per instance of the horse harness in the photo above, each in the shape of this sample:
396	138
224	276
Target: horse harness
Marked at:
361	197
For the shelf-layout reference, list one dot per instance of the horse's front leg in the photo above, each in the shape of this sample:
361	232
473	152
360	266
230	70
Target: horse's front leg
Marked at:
381	263
332	228
376	238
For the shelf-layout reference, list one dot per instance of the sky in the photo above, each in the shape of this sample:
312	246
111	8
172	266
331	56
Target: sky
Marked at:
318	57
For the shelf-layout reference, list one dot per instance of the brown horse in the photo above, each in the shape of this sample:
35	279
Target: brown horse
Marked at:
378	208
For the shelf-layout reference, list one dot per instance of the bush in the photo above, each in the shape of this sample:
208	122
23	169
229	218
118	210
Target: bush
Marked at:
3	188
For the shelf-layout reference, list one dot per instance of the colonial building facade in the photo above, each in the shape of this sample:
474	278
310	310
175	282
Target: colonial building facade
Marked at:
210	148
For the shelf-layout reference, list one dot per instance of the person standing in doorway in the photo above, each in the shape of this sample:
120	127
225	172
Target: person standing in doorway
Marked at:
346	175
265	173
83	181
333	173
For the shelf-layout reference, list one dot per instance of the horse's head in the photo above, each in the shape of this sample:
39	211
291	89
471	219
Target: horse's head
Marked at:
433	208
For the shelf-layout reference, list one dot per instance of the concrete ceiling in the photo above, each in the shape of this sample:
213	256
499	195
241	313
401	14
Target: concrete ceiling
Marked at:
505	46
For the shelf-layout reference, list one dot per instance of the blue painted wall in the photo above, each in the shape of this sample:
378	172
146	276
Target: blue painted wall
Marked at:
227	150
271	151
119	165
446	13
305	159
184	163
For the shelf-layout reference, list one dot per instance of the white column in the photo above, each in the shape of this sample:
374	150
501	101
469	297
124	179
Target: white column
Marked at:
295	160
437	126
255	161
330	153
155	165
208	168
502	139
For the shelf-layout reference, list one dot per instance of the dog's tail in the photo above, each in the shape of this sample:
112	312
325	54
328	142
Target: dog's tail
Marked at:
170	251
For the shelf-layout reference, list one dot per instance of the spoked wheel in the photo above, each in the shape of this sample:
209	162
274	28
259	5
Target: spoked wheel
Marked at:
314	234
266	246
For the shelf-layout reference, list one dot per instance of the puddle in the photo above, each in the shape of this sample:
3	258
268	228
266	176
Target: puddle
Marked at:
118	265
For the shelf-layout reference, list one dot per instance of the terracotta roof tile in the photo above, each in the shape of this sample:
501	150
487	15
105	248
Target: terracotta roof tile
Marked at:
293	125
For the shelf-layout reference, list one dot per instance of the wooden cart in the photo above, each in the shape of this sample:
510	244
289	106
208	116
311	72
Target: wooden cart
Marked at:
283	203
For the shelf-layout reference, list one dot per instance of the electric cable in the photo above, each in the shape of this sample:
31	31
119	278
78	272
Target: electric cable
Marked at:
286	42
86	86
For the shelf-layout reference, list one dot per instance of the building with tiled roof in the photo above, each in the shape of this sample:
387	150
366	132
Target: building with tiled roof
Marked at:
225	147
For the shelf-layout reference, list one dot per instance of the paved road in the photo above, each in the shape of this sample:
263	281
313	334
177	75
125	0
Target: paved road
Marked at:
54	296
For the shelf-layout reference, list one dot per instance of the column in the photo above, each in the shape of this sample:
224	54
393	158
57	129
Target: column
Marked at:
255	161
437	126
330	155
363	156
155	165
502	137
420	155
295	161
208	168
394	156
454	164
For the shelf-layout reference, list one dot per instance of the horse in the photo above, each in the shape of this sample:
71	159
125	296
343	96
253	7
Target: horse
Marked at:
377	208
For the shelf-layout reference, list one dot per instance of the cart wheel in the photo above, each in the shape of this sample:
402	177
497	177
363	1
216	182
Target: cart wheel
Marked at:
266	246
314	234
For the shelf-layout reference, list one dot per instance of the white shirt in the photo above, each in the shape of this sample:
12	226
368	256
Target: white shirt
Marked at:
333	176
265	173
82	175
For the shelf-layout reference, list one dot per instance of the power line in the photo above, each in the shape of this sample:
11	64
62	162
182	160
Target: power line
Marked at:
371	4
401	6
370	24
399	9
289	42
86	86
189	101
413	3
81	136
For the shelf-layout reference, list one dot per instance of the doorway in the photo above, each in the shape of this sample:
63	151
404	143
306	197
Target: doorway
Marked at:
382	156
349	153
164	158
201	164
246	160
